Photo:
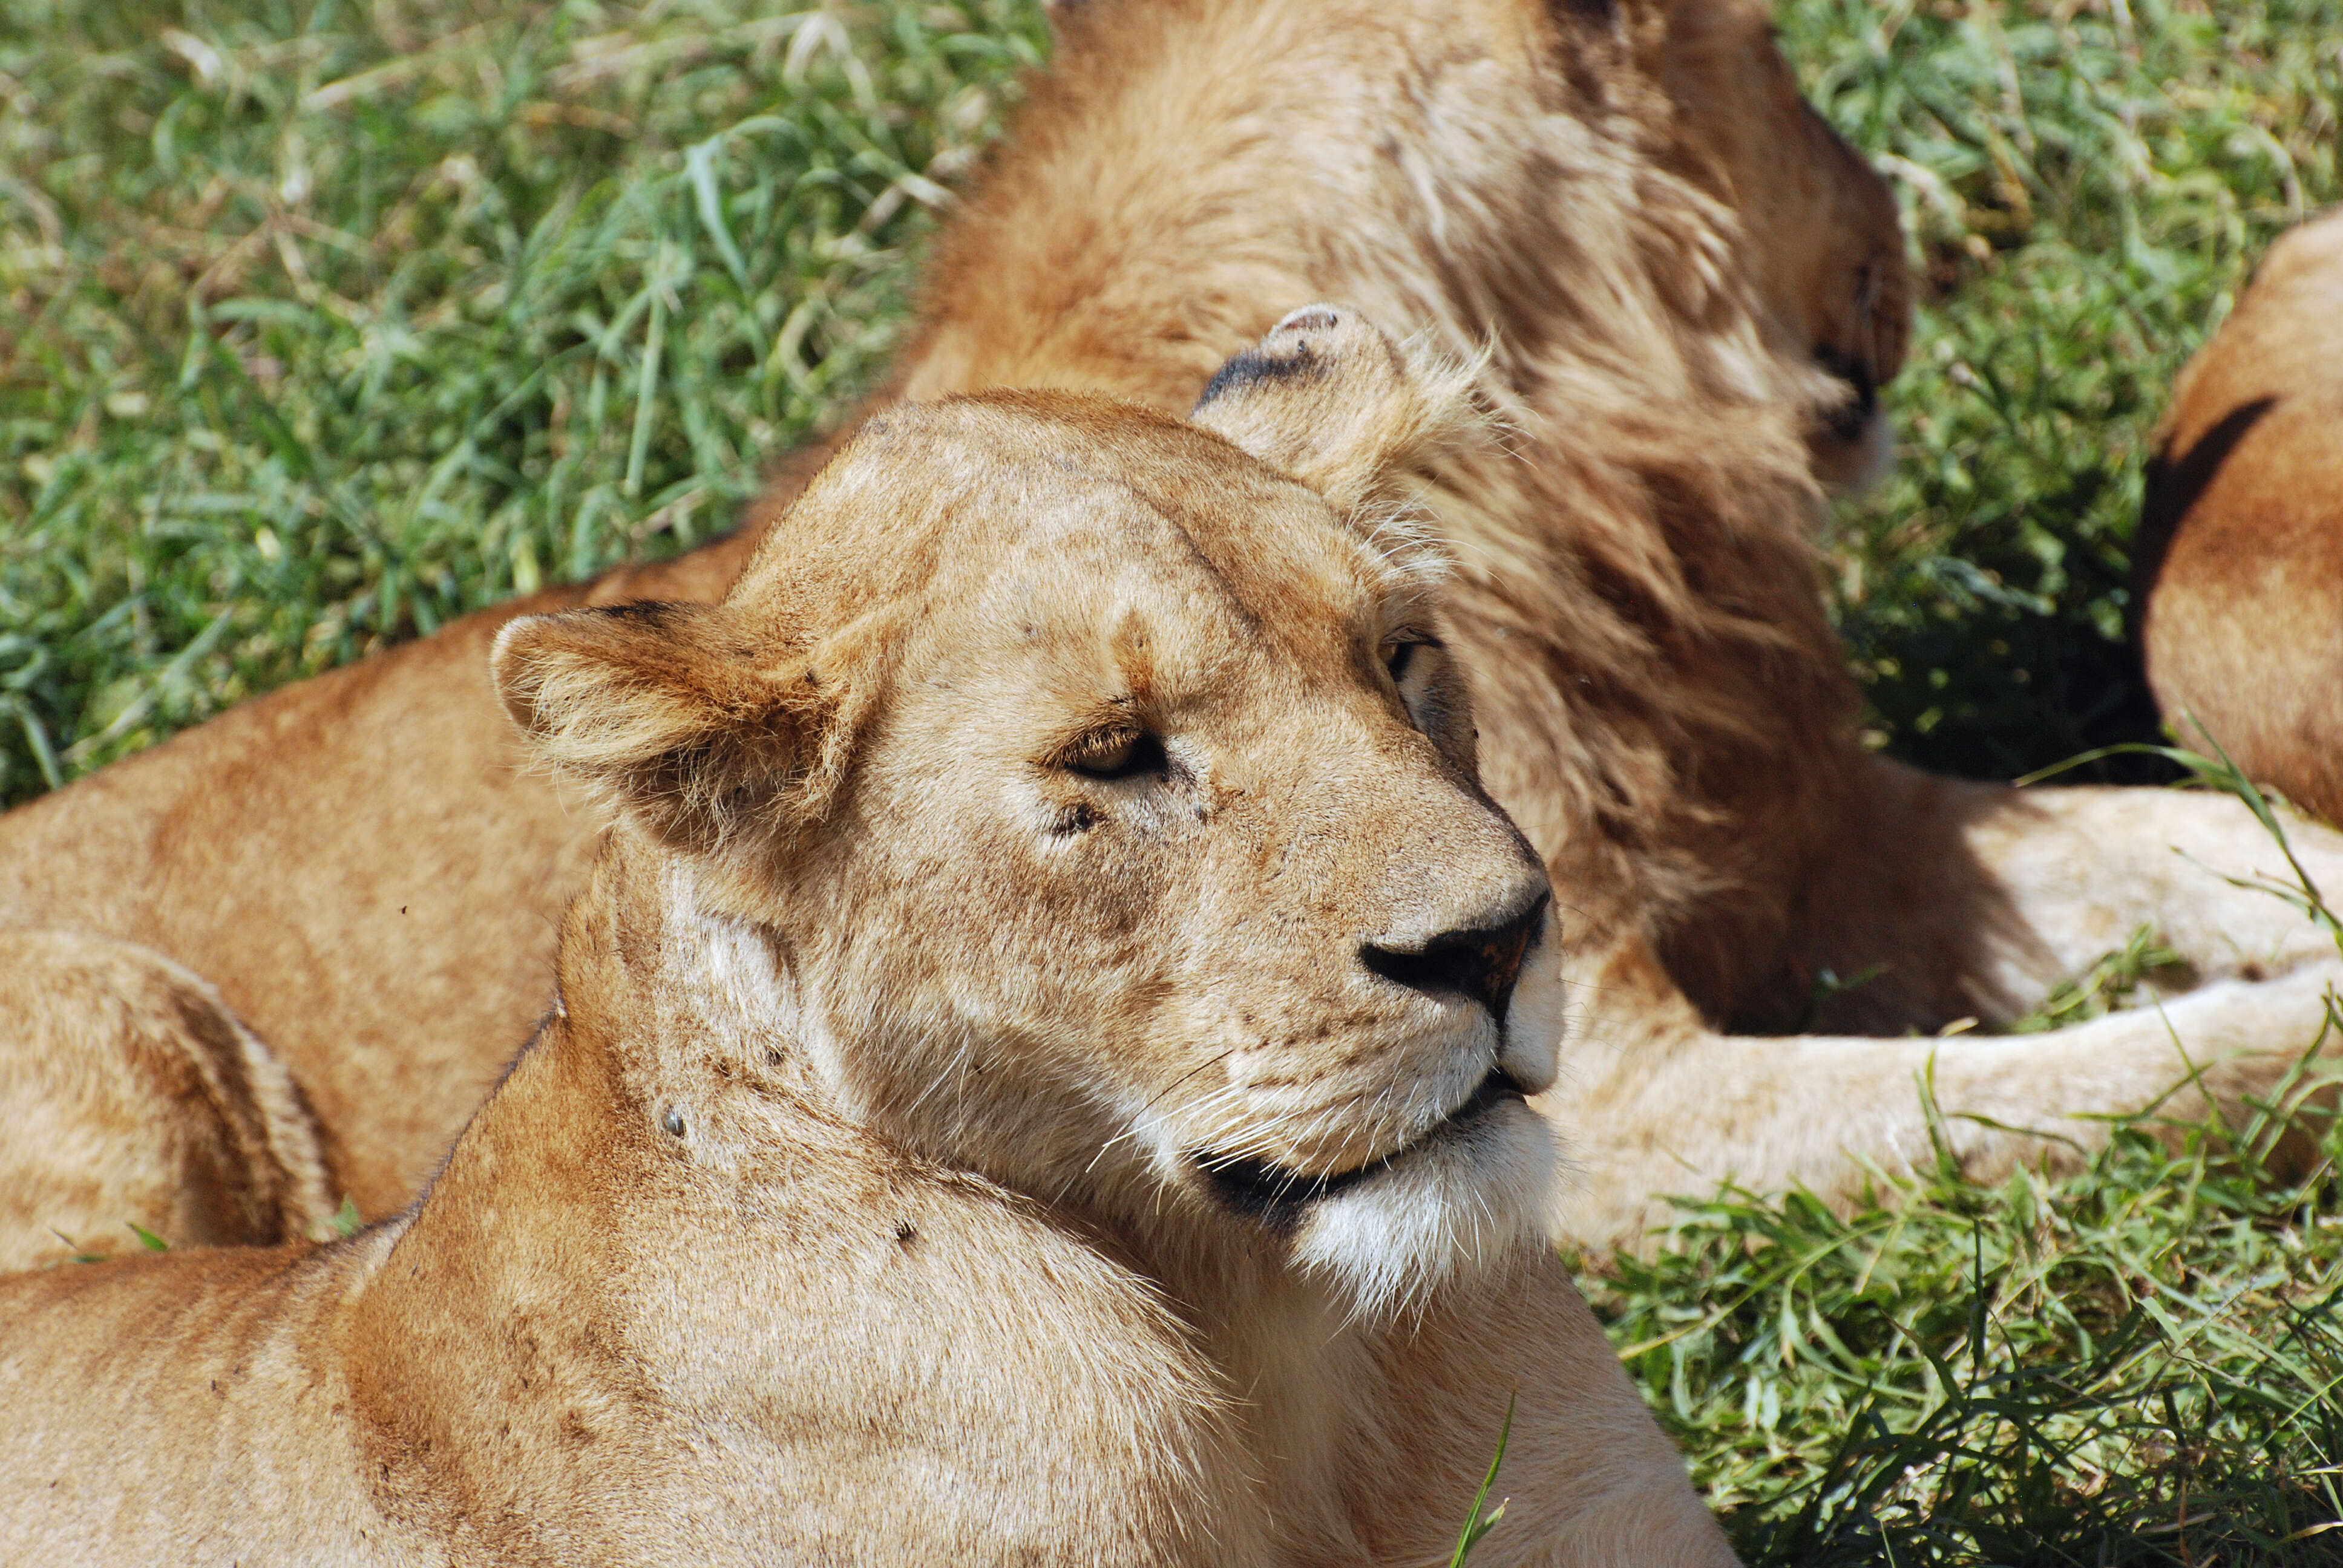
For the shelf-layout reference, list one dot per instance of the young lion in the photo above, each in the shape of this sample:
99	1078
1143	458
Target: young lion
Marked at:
1199	1222
370	873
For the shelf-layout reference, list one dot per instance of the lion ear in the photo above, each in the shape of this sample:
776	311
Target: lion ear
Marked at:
1328	397
646	705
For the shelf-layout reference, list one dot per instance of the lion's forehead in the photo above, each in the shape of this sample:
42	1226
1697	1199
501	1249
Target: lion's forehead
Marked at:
1091	556
1123	548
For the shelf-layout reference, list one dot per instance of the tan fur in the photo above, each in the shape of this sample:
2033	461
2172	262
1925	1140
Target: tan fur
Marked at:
799	1236
1821	237
1598	207
2240	562
132	1097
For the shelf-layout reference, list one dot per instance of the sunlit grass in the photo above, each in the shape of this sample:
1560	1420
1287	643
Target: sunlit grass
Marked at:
2088	186
2139	1363
320	324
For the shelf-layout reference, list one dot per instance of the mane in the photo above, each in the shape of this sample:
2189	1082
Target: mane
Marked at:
1635	564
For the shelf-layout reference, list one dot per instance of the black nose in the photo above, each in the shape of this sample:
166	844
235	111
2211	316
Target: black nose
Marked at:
1481	962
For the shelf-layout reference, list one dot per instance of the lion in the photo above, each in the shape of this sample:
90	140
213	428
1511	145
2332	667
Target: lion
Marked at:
367	871
1200	1222
1591	203
2238	569
1667	711
130	1090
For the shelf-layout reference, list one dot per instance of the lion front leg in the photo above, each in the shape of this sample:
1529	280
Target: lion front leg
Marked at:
2085	868
135	1098
1939	899
1655	1105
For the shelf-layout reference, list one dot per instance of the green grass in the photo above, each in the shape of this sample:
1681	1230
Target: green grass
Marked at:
2088	186
326	323
320	324
2137	1365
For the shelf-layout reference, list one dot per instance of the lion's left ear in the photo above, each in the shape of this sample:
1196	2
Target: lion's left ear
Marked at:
1332	400
667	718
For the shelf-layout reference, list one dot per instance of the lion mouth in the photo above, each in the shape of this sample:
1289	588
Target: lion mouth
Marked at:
1277	1195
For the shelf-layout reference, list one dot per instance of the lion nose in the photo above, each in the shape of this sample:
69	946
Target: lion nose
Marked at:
1479	961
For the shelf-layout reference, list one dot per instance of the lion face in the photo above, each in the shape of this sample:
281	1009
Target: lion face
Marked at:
1109	799
1837	287
1824	241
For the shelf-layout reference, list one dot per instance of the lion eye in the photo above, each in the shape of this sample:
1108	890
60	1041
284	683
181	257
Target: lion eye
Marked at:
1117	754
1399	654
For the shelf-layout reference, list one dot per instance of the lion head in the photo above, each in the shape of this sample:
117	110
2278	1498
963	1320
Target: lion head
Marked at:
1627	200
1822	239
1088	799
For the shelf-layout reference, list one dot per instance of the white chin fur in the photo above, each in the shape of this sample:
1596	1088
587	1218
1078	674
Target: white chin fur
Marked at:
1459	1205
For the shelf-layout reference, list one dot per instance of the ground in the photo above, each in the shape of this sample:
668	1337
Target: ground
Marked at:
324	323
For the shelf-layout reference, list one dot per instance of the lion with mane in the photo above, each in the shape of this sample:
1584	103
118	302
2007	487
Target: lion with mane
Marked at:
1682	291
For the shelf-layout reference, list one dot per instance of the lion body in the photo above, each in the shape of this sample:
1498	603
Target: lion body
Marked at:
1580	191
716	1275
339	1405
392	972
2240	553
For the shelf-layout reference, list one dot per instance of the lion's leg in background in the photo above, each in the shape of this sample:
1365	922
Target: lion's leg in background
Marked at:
1652	1103
2085	868
133	1096
1942	897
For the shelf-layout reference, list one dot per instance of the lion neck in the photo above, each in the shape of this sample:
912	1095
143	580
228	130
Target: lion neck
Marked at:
465	1343
669	1009
492	1312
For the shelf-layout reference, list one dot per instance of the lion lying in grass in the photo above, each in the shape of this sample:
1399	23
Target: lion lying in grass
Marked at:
1665	252
1200	1225
371	874
2240	555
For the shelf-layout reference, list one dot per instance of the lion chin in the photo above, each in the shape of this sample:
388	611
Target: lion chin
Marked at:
1479	1184
1480	1187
